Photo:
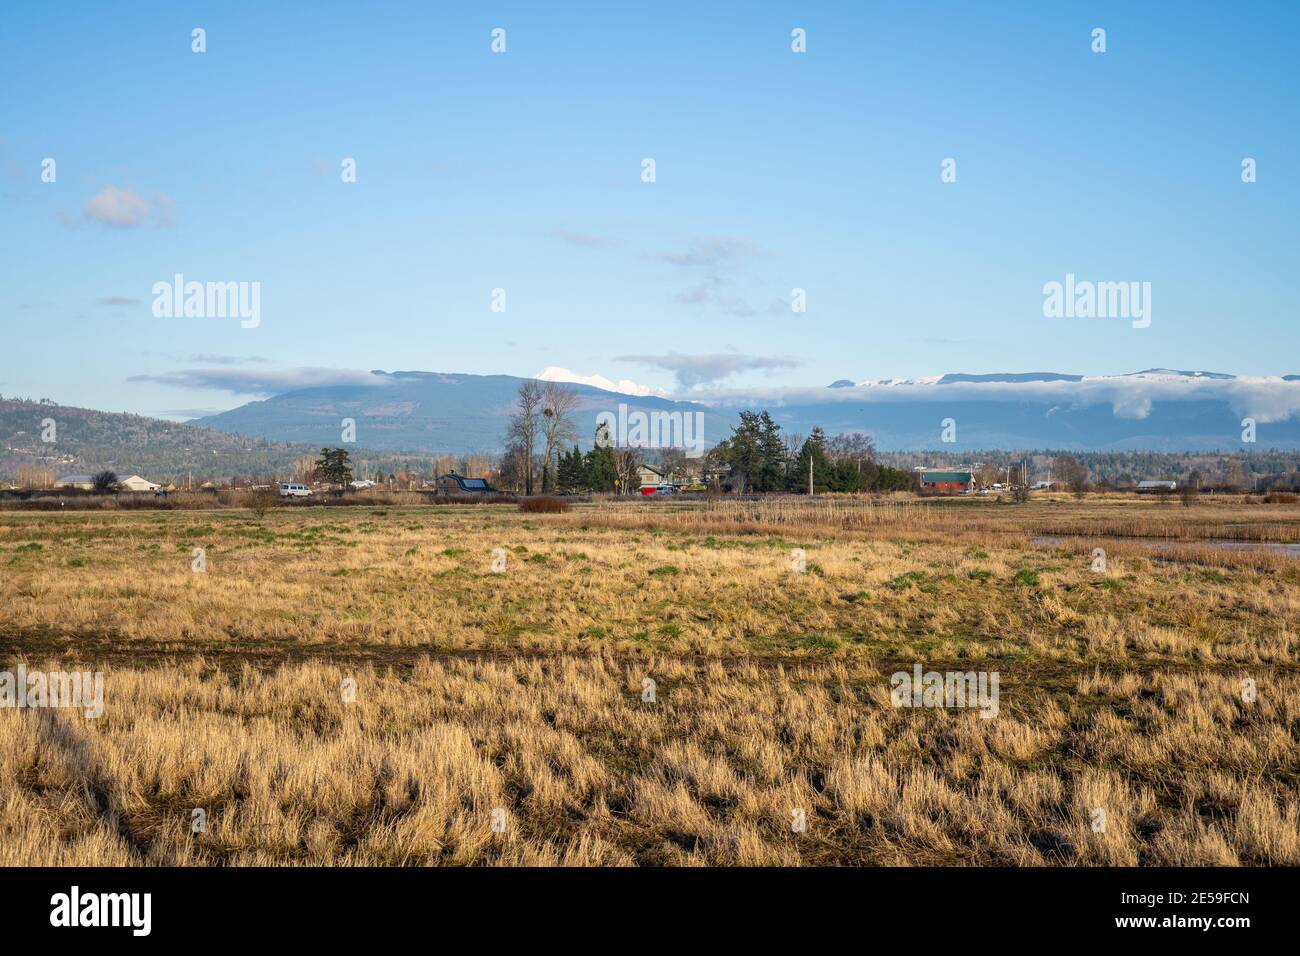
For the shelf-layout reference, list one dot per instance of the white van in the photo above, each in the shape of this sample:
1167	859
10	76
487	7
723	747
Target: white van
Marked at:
291	489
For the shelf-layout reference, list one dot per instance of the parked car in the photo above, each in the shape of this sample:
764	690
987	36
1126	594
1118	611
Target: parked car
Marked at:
292	489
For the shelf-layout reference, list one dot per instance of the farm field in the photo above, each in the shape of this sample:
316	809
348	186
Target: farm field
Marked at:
643	683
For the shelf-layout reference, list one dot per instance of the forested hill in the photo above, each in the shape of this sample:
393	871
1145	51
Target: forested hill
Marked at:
86	440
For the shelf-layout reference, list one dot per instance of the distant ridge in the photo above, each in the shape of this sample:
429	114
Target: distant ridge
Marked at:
86	440
428	412
1154	409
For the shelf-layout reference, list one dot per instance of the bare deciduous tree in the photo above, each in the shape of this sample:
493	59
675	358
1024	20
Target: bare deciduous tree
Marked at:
1070	472
626	465
558	404
524	425
304	469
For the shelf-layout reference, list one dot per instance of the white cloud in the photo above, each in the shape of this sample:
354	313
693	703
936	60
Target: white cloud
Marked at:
126	208
1264	398
261	382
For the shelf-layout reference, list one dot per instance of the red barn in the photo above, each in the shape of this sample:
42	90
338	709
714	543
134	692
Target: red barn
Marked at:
946	482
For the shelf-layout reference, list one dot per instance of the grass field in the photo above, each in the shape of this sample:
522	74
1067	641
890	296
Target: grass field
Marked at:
656	683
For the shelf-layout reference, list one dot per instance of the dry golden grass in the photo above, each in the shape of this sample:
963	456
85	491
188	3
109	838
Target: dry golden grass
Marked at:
520	691
580	770
310	581
1113	516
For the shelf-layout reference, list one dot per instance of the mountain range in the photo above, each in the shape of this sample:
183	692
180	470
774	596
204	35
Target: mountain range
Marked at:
1155	409
431	412
406	418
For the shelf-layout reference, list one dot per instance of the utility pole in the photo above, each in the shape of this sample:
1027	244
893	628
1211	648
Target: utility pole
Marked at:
810	481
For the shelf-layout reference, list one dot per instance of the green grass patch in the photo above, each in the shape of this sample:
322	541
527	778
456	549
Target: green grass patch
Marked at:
906	580
821	642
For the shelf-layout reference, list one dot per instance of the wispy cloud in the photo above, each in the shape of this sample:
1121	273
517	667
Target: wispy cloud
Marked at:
127	209
712	251
583	239
713	291
742	309
260	381
185	414
210	359
717	262
693	371
118	300
697	295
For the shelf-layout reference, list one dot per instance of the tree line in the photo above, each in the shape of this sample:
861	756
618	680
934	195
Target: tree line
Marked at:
757	457
542	455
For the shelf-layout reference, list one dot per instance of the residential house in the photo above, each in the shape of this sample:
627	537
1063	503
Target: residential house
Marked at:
454	484
651	477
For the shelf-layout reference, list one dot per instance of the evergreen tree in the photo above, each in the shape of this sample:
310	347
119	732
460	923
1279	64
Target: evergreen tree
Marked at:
333	465
572	472
745	453
772	454
814	451
598	465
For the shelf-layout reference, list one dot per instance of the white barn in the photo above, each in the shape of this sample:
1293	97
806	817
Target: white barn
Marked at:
136	483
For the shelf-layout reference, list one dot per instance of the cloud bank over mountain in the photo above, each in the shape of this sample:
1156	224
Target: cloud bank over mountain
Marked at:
1132	396
1156	409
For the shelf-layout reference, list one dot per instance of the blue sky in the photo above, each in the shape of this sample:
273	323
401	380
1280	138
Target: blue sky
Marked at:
522	171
